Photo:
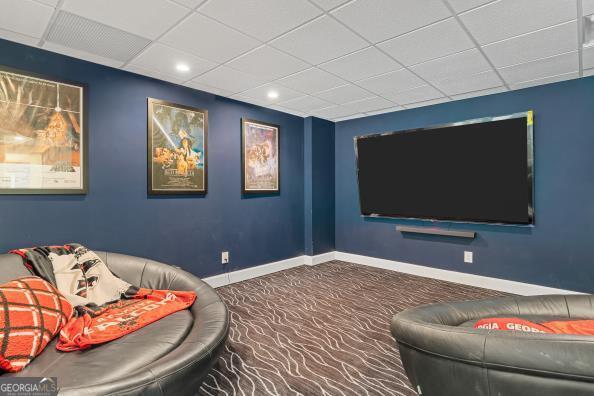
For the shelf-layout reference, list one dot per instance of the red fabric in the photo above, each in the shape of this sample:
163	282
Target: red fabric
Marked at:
32	313
123	317
514	324
583	327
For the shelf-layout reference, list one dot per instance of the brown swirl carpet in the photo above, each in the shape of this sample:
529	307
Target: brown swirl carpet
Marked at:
321	330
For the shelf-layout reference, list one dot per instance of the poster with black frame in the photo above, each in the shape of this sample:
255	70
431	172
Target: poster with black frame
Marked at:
260	157
177	148
43	134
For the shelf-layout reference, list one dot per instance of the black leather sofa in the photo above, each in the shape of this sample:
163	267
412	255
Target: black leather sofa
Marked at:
171	356
444	356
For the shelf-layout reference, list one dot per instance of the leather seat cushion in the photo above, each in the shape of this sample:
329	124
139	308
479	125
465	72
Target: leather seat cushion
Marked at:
110	361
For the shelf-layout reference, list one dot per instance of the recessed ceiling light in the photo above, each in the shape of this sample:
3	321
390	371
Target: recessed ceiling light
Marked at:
272	94
182	67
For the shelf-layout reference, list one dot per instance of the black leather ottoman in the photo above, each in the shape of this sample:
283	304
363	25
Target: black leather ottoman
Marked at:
444	357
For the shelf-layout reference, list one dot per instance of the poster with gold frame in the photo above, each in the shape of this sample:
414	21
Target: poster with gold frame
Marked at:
177	149
43	134
260	157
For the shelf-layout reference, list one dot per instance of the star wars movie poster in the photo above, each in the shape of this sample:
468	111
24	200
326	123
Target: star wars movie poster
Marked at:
177	148
260	157
42	135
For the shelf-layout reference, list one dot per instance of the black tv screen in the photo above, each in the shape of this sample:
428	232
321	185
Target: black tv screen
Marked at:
473	171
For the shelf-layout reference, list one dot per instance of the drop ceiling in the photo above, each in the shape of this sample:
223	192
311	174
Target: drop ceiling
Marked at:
334	59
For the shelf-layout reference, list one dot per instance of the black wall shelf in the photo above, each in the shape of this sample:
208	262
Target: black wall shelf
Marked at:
436	231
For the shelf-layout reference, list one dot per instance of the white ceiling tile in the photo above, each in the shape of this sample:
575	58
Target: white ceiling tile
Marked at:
190	3
475	82
507	18
208	88
351	117
229	79
164	59
434	41
426	103
320	40
399	80
537	45
419	94
263	19
152	73
52	3
267	62
288	111
251	100
19	38
460	64
464	5
588	57
329	4
24	17
555	65
369	104
208	39
146	18
306	104
311	81
588	7
362	64
547	80
379	20
344	94
261	93
482	92
385	111
333	112
81	55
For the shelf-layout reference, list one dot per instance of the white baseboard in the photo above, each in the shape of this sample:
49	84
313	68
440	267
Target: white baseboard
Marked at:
524	289
265	269
508	286
319	259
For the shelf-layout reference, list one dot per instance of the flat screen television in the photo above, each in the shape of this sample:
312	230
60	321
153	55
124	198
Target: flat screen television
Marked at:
478	171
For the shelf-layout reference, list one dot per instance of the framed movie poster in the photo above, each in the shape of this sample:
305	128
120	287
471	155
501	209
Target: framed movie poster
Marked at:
177	141
43	135
259	157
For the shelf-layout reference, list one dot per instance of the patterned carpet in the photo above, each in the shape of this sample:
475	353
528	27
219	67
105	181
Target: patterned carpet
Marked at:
321	330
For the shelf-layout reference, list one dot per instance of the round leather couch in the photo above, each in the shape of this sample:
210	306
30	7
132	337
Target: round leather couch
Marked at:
171	356
444	356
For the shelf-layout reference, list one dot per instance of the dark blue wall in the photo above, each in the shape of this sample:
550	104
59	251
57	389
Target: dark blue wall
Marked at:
118	216
558	251
307	190
319	186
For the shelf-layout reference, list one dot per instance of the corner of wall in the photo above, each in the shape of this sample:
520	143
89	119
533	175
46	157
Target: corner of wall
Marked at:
319	174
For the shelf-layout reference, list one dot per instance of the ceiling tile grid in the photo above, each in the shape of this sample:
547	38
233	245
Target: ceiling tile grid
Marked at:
336	59
262	19
319	41
434	41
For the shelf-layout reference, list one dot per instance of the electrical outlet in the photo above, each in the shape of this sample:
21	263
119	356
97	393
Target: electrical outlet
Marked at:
224	257
468	257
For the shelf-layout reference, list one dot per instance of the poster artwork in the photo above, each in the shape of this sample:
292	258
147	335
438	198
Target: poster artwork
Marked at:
260	157
42	135
177	145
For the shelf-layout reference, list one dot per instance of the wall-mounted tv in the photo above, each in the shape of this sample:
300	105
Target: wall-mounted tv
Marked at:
473	171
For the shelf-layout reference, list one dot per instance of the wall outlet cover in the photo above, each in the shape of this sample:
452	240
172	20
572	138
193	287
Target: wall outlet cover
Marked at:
468	257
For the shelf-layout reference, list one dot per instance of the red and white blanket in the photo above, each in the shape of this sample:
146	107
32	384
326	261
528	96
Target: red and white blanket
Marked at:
107	307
